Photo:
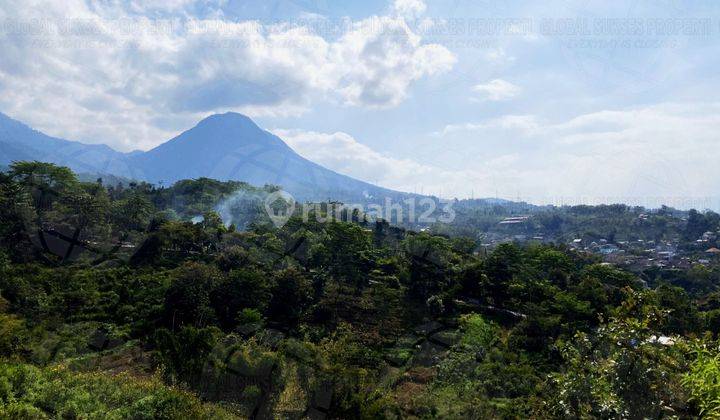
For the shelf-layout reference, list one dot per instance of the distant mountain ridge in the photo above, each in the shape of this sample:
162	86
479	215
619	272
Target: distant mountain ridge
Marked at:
20	142
226	146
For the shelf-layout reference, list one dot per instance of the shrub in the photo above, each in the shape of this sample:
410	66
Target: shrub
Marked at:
703	381
30	392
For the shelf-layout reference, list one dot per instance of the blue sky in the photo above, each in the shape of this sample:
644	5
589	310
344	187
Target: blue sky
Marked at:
559	101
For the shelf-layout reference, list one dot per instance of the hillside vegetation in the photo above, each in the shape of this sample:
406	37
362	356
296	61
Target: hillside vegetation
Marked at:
114	304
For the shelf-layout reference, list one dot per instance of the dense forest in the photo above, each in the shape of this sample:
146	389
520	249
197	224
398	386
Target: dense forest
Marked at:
120	302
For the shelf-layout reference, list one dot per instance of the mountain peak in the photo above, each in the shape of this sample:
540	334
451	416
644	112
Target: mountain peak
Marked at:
229	119
224	131
228	146
205	148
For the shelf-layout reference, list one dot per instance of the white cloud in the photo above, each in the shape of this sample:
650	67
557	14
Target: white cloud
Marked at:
409	8
645	155
342	153
145	6
496	90
380	57
498	56
105	73
522	123
642	156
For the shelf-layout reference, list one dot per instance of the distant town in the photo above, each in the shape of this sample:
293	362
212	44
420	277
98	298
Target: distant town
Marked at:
671	252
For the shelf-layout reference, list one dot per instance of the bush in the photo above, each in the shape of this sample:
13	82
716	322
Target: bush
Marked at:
12	334
30	392
249	316
477	333
703	381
